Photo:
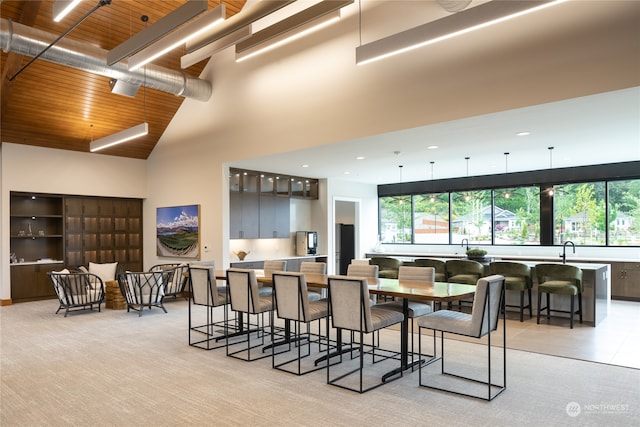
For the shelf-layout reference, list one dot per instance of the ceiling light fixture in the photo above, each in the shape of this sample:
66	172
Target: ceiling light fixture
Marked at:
117	138
304	23
156	31
61	8
468	20
179	37
212	48
523	133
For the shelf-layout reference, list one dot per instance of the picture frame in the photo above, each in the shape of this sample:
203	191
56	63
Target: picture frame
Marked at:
178	231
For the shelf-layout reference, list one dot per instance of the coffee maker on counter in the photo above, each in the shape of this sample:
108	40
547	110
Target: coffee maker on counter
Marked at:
306	243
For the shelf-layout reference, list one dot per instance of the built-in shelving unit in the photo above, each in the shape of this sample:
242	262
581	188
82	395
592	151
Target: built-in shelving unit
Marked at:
49	232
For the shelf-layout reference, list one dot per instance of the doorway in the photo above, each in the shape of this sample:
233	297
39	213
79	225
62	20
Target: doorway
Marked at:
345	226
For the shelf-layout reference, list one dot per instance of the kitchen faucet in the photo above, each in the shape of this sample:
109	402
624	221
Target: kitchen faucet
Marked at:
462	243
564	250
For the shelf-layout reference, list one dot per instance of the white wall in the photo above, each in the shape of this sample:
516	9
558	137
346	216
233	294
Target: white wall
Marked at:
311	93
41	170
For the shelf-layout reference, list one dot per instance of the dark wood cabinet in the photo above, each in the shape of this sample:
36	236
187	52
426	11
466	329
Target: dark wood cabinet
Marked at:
51	232
625	280
103	230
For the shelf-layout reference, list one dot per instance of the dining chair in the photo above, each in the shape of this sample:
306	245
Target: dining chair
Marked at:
463	271
245	299
314	268
142	290
204	293
415	308
488	303
387	266
292	304
517	277
438	265
271	266
350	310
559	279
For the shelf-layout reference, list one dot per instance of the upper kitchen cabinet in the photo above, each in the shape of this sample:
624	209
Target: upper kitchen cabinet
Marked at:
244	204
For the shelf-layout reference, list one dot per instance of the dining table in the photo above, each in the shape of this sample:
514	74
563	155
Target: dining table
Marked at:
418	290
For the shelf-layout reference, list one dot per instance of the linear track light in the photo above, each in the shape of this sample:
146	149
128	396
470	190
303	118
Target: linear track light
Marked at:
248	15
61	8
468	20
179	37
117	138
301	24
212	48
154	32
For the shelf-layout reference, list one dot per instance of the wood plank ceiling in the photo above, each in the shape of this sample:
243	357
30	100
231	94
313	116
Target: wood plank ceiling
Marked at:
55	106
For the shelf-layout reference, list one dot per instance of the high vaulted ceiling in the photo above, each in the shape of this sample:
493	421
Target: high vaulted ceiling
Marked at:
57	106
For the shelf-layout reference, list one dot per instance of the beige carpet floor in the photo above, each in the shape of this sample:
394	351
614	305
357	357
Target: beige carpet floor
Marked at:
116	369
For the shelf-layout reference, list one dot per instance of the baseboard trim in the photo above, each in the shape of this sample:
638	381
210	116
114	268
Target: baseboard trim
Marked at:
4	302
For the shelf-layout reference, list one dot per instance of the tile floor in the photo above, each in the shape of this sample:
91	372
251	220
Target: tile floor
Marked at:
615	341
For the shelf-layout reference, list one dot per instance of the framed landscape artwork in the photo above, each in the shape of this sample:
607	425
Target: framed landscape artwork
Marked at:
178	231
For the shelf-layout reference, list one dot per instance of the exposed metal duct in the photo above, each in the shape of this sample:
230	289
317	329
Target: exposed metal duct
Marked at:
24	40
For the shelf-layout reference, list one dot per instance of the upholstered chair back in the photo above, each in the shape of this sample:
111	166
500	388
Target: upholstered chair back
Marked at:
243	290
271	266
356	270
561	274
313	267
486	305
438	265
291	294
427	274
350	303
204	290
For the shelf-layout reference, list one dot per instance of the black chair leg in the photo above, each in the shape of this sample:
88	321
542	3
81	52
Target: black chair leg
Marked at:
522	306
572	313
530	305
539	302
580	305
548	307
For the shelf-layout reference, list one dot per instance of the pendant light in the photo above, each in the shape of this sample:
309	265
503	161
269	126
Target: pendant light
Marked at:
506	175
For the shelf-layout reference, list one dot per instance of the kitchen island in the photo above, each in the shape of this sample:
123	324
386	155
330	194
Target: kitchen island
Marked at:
596	279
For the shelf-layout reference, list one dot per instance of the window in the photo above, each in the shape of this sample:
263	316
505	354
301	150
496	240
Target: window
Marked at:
431	218
579	213
395	219
471	217
624	213
516	216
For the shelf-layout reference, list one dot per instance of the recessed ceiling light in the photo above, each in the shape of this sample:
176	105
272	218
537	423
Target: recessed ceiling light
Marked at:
347	173
432	147
305	166
524	133
360	158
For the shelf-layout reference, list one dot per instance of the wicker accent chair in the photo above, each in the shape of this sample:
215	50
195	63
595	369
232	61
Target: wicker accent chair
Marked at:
350	310
387	266
517	277
559	279
204	294
438	265
247	301
175	278
77	291
488	303
292	303
142	290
